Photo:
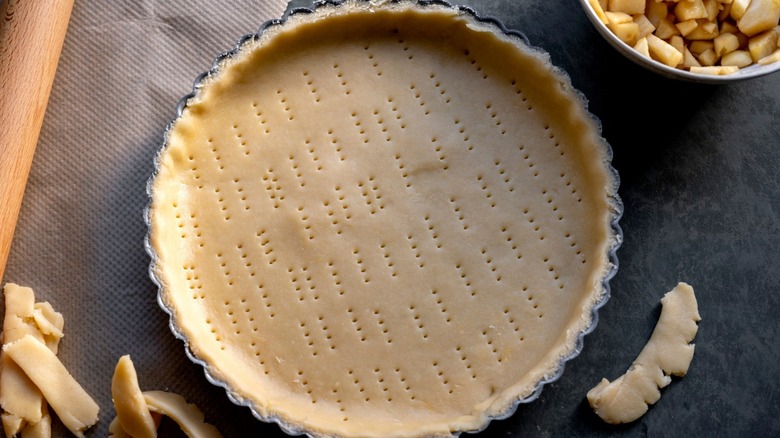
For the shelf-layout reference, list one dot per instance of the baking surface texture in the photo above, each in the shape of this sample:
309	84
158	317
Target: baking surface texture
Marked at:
387	220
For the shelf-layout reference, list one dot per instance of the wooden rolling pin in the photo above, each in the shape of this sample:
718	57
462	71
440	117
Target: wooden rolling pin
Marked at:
31	37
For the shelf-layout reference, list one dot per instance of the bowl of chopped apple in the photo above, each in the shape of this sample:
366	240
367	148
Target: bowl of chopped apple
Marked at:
713	41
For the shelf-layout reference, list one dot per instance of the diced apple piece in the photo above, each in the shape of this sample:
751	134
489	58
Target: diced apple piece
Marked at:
690	10
708	57
686	27
689	60
627	32
715	71
738	58
642	47
663	51
728	27
712	8
598	10
678	43
763	45
706	30
627	6
738	8
698	47
618	17
725	43
711	36
645	26
666	29
761	15
774	57
655	11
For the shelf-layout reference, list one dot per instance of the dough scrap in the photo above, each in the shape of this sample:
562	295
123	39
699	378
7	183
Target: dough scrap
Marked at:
50	323
41	429
77	410
22	402
668	352
189	418
131	410
12	424
186	415
134	408
115	430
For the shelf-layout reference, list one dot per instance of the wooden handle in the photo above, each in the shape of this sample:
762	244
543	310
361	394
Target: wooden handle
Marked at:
31	37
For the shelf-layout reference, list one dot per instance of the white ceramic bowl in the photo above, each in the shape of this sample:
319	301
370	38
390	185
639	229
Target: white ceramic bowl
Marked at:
752	71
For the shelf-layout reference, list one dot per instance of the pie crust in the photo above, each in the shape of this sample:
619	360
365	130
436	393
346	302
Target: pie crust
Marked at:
383	219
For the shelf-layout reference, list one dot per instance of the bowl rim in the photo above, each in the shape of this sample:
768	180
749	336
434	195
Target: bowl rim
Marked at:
750	72
615	205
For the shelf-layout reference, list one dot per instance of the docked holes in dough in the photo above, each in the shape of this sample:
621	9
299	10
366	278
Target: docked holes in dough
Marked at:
70	401
409	163
668	352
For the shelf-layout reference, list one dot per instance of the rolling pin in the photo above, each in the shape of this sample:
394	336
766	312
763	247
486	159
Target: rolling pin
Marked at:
31	36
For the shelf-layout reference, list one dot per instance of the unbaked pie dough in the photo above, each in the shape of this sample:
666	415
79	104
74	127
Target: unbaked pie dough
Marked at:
668	352
31	376
383	220
134	408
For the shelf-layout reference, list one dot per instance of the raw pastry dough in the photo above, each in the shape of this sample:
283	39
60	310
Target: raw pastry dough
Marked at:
383	219
134	408
131	410
22	402
668	352
72	404
41	429
12	424
186	415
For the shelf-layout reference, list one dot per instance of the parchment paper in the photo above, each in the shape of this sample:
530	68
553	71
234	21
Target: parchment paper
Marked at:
79	241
